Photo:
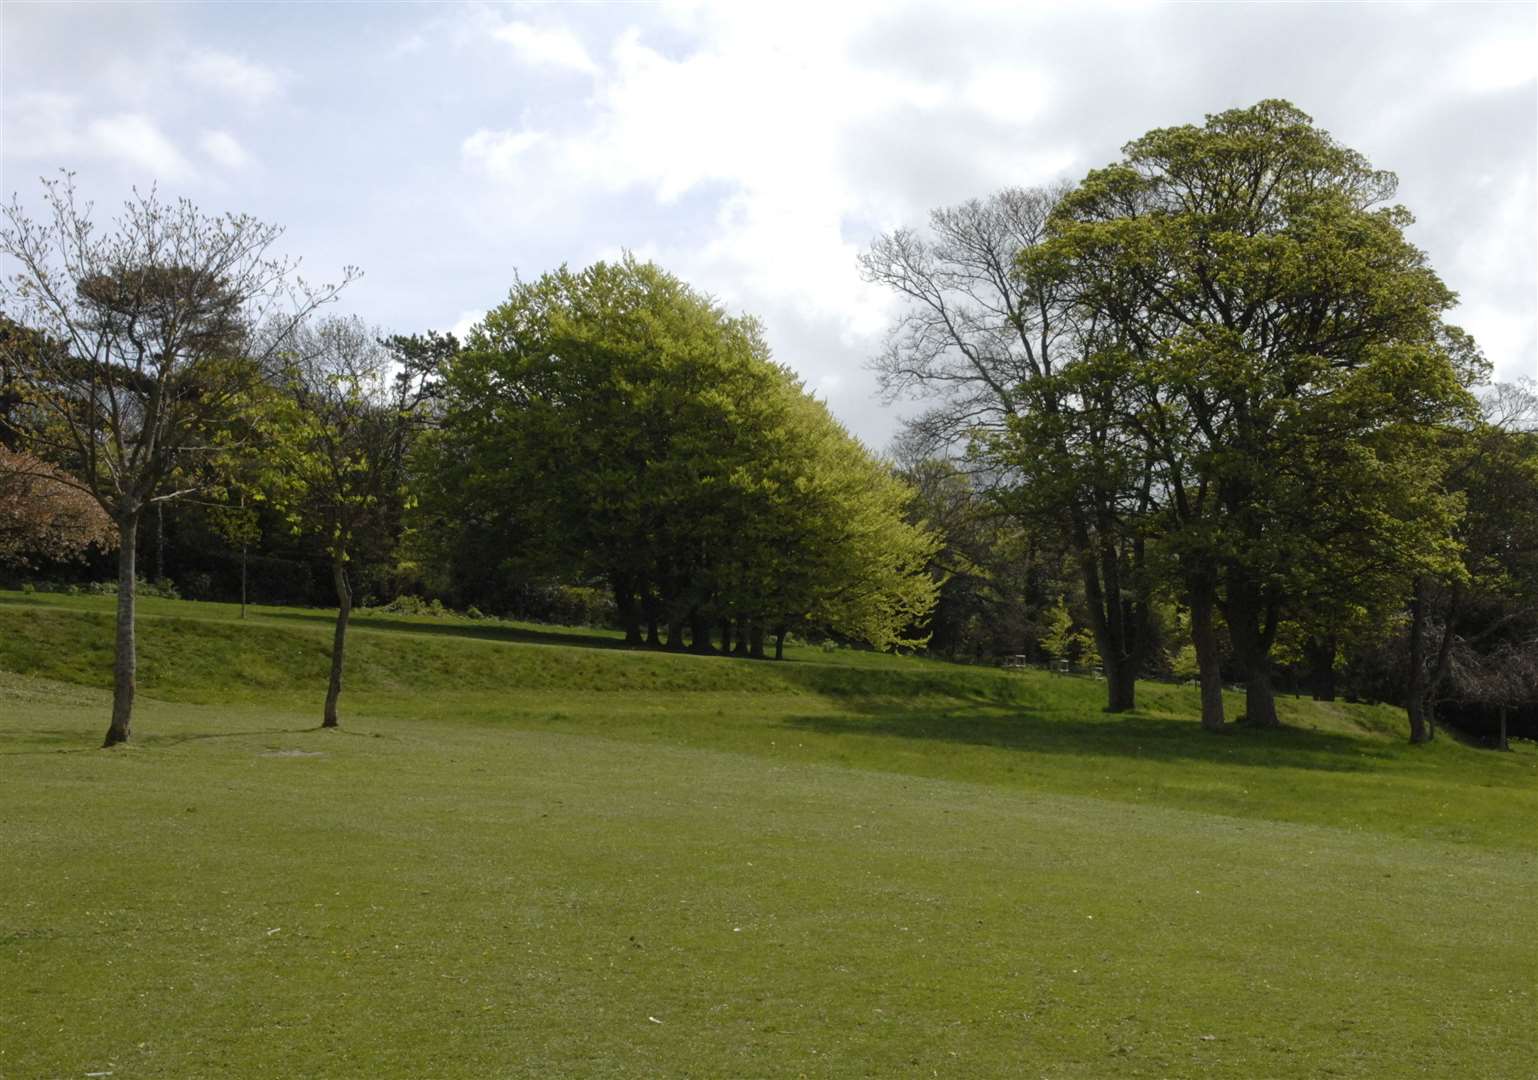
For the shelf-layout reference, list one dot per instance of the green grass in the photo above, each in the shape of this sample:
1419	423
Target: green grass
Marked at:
525	847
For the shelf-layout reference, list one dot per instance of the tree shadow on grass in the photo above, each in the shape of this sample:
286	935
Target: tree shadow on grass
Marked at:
1134	735
513	634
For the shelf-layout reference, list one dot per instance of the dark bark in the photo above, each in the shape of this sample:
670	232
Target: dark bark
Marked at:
1320	654
1204	637
338	640
1252	627
699	633
125	663
243	549
756	640
675	635
160	542
1424	678
653	631
726	637
779	643
740	638
629	611
1503	744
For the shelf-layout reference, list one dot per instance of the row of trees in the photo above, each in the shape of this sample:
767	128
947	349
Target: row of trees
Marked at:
1215	374
605	425
1202	409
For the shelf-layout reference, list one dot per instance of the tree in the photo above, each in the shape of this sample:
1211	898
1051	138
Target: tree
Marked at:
988	345
44	515
613	423
1281	343
338	447
152	351
1479	606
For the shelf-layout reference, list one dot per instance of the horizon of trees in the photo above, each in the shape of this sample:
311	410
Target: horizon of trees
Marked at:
1199	416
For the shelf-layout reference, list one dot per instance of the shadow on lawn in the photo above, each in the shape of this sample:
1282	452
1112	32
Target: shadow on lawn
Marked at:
513	634
1134	736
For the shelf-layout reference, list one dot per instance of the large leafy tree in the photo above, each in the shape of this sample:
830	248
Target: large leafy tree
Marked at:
152	346
43	515
1280	341
988	348
614	423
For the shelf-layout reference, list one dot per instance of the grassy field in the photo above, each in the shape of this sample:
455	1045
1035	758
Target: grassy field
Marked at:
535	853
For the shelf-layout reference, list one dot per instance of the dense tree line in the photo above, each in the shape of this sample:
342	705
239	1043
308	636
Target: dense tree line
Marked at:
1199	415
1216	376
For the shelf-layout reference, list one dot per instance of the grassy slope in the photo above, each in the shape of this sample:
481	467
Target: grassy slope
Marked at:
517	856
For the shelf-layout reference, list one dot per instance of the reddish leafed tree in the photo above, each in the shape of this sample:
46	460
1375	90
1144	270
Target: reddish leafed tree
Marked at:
43	515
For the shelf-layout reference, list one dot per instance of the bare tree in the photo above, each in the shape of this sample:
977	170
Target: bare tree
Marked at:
986	345
152	352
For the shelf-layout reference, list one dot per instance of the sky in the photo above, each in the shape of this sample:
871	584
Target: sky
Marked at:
753	149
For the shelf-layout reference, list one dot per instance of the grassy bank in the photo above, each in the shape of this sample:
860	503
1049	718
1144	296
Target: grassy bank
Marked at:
531	853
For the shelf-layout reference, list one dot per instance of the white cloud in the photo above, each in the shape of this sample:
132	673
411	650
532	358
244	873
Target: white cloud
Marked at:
554	47
467	321
497	153
133	140
50	127
245	80
1498	64
225	150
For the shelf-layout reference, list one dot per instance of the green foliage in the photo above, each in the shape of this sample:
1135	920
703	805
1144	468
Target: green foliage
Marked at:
1273	347
617	424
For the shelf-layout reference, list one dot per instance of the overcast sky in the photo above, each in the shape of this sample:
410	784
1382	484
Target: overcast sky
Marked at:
753	149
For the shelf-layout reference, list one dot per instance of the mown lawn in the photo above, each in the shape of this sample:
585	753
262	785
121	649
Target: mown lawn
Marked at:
536	854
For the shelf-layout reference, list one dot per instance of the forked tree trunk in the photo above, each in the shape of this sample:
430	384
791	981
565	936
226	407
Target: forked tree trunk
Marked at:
338	641
125	661
1204	637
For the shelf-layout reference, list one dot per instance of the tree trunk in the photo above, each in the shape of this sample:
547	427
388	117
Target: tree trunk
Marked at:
629	611
1320	653
125	663
160	542
756	640
1260	699
1121	688
1204	637
675	635
699	633
779	643
243	548
653	631
726	637
1416	690
339	640
1251	627
1503	744
740	642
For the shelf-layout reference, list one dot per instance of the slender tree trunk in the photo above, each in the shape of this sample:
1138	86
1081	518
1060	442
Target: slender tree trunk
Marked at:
1204	637
726	637
756	640
779	643
125	662
243	548
1503	744
339	640
160	542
